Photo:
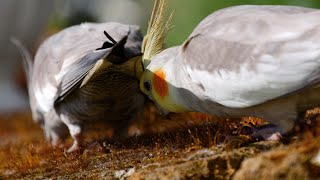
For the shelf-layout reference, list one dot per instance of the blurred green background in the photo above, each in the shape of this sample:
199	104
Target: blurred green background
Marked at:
188	13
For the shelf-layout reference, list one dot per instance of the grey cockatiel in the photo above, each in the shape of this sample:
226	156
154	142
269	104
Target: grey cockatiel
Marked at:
86	73
261	61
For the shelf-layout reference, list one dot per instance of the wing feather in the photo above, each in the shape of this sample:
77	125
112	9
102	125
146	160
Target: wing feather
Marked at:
65	58
243	67
78	71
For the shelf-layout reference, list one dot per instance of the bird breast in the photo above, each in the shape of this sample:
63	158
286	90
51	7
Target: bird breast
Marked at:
110	96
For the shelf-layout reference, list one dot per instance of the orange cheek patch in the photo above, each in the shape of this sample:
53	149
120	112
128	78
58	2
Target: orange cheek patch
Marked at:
159	83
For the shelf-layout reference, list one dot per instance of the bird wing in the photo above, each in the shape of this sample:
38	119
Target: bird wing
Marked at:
65	58
78	71
238	64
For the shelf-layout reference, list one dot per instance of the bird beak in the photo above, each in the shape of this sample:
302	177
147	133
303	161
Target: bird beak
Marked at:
166	114
117	54
162	111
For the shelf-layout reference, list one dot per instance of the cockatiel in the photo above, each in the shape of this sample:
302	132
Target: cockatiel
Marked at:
86	73
261	61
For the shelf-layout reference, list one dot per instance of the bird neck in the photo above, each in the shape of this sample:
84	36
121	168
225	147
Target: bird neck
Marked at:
132	67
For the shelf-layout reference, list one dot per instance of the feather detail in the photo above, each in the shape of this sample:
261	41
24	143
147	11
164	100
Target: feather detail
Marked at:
26	56
154	40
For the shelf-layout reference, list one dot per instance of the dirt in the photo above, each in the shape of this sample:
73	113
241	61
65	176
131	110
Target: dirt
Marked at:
188	146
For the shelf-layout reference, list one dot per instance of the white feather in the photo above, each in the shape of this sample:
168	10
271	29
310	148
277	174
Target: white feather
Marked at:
45	97
247	55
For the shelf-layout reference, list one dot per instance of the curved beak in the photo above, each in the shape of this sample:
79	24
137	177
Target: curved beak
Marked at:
166	114
161	111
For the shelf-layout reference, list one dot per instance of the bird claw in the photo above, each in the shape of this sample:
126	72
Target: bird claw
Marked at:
54	138
76	134
268	133
75	147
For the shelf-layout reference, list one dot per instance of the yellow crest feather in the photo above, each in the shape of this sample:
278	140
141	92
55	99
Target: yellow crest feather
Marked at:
154	40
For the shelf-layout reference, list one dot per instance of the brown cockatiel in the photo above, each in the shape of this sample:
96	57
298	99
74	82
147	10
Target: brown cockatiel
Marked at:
85	73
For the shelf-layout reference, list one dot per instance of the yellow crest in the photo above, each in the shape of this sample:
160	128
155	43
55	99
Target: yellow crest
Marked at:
154	40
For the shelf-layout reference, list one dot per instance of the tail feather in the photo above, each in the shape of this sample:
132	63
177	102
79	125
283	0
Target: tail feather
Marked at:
28	68
26	56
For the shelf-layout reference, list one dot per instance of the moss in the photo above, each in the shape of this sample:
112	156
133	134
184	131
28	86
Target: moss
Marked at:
24	153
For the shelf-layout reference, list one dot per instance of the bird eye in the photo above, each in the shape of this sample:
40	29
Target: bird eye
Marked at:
147	85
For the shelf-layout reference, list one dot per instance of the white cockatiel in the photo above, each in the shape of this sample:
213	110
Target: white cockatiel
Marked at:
261	61
84	74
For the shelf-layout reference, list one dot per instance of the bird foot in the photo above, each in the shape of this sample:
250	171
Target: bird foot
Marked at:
57	143
75	131
268	132
75	147
54	138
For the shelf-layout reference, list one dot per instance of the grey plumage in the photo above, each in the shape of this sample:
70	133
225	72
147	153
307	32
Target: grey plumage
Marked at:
80	76
260	61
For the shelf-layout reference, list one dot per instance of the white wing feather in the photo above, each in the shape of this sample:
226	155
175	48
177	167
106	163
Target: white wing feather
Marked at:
259	54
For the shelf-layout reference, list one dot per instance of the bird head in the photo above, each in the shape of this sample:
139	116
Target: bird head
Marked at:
158	83
154	85
122	59
154	80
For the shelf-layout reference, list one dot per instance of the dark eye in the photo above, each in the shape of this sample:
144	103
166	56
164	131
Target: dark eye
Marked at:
147	85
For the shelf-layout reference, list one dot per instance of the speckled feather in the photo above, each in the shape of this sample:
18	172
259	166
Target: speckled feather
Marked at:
64	99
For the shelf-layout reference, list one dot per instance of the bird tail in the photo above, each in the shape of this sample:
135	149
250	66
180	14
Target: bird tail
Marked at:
26	57
28	69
